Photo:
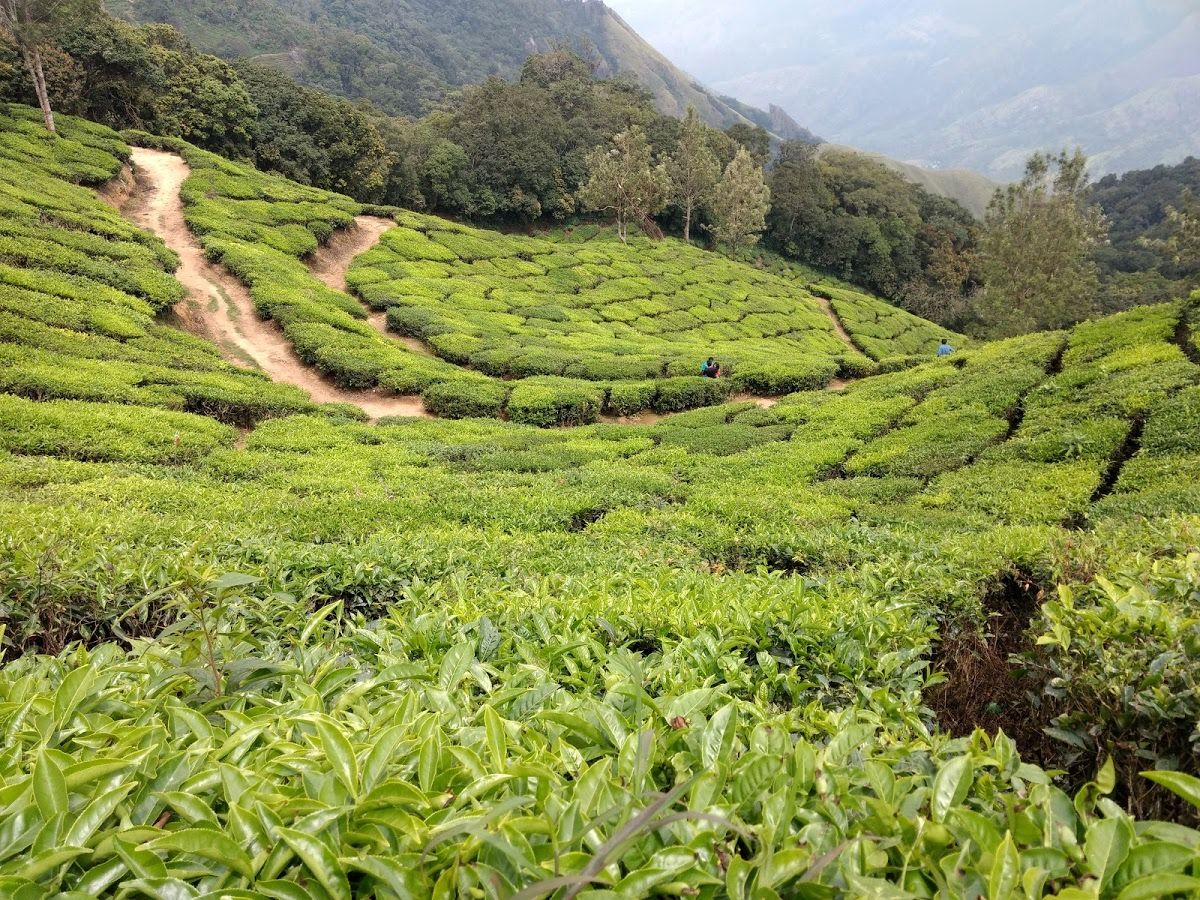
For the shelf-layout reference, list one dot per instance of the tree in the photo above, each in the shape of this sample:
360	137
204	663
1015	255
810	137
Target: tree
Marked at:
693	169
754	138
741	203
1182	244
1036	254
624	181
32	26
801	202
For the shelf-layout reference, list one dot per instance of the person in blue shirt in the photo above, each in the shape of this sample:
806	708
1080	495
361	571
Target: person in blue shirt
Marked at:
709	368
945	349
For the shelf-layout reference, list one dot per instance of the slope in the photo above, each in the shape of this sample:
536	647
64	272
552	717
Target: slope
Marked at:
341	654
545	332
405	56
967	85
539	331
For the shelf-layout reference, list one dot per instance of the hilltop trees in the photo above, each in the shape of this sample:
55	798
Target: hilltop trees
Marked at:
741	203
624	181
32	25
1036	254
1182	244
693	169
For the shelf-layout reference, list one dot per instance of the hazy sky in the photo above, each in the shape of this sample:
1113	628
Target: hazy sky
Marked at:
975	83
722	40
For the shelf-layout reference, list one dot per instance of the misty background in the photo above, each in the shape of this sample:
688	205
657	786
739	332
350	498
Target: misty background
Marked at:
944	84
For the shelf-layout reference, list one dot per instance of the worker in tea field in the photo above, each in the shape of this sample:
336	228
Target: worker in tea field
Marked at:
709	369
944	349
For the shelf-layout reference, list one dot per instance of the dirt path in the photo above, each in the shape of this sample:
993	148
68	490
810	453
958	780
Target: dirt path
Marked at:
760	402
219	306
332	261
838	328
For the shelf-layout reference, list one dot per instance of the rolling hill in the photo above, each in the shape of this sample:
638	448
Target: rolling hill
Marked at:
257	646
405	56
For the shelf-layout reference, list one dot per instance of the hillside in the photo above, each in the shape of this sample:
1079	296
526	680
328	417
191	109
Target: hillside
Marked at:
972	190
965	85
479	323
254	646
405	56
1135	205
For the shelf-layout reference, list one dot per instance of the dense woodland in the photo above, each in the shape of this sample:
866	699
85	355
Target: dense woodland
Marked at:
519	153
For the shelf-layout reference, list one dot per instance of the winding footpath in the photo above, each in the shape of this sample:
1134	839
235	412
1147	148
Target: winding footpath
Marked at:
219	307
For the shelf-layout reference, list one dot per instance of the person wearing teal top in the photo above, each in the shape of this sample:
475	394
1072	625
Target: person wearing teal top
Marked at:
945	349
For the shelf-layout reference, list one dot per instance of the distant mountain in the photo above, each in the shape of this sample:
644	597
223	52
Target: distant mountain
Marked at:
956	83
405	55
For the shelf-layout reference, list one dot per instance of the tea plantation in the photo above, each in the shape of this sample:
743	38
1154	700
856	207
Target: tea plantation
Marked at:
730	654
544	331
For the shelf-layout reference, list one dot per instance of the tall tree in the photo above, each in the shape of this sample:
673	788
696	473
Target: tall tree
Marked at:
624	181
32	26
754	138
1182	244
741	203
693	169
1036	254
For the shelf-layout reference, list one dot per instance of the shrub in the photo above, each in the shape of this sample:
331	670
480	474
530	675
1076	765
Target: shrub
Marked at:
689	392
1174	425
785	378
628	397
466	398
720	440
547	402
455	346
105	432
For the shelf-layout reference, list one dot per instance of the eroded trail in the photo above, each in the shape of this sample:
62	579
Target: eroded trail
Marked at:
331	263
838	328
219	307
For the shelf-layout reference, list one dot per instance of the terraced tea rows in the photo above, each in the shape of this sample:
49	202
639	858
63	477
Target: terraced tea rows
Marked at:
80	290
583	331
523	668
324	658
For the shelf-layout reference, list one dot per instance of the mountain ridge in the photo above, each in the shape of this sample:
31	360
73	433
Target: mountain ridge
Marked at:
418	51
964	85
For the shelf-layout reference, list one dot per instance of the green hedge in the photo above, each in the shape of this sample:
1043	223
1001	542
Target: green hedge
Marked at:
105	432
689	392
628	397
466	398
547	402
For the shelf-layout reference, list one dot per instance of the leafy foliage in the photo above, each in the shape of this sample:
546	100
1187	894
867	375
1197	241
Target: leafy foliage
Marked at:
80	288
623	181
740	204
1036	252
435	657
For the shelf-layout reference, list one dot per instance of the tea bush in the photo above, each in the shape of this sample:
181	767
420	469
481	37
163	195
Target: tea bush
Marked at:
80	287
546	402
424	658
445	630
466	399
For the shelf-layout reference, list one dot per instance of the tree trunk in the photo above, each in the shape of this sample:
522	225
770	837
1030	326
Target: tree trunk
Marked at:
33	62
687	222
